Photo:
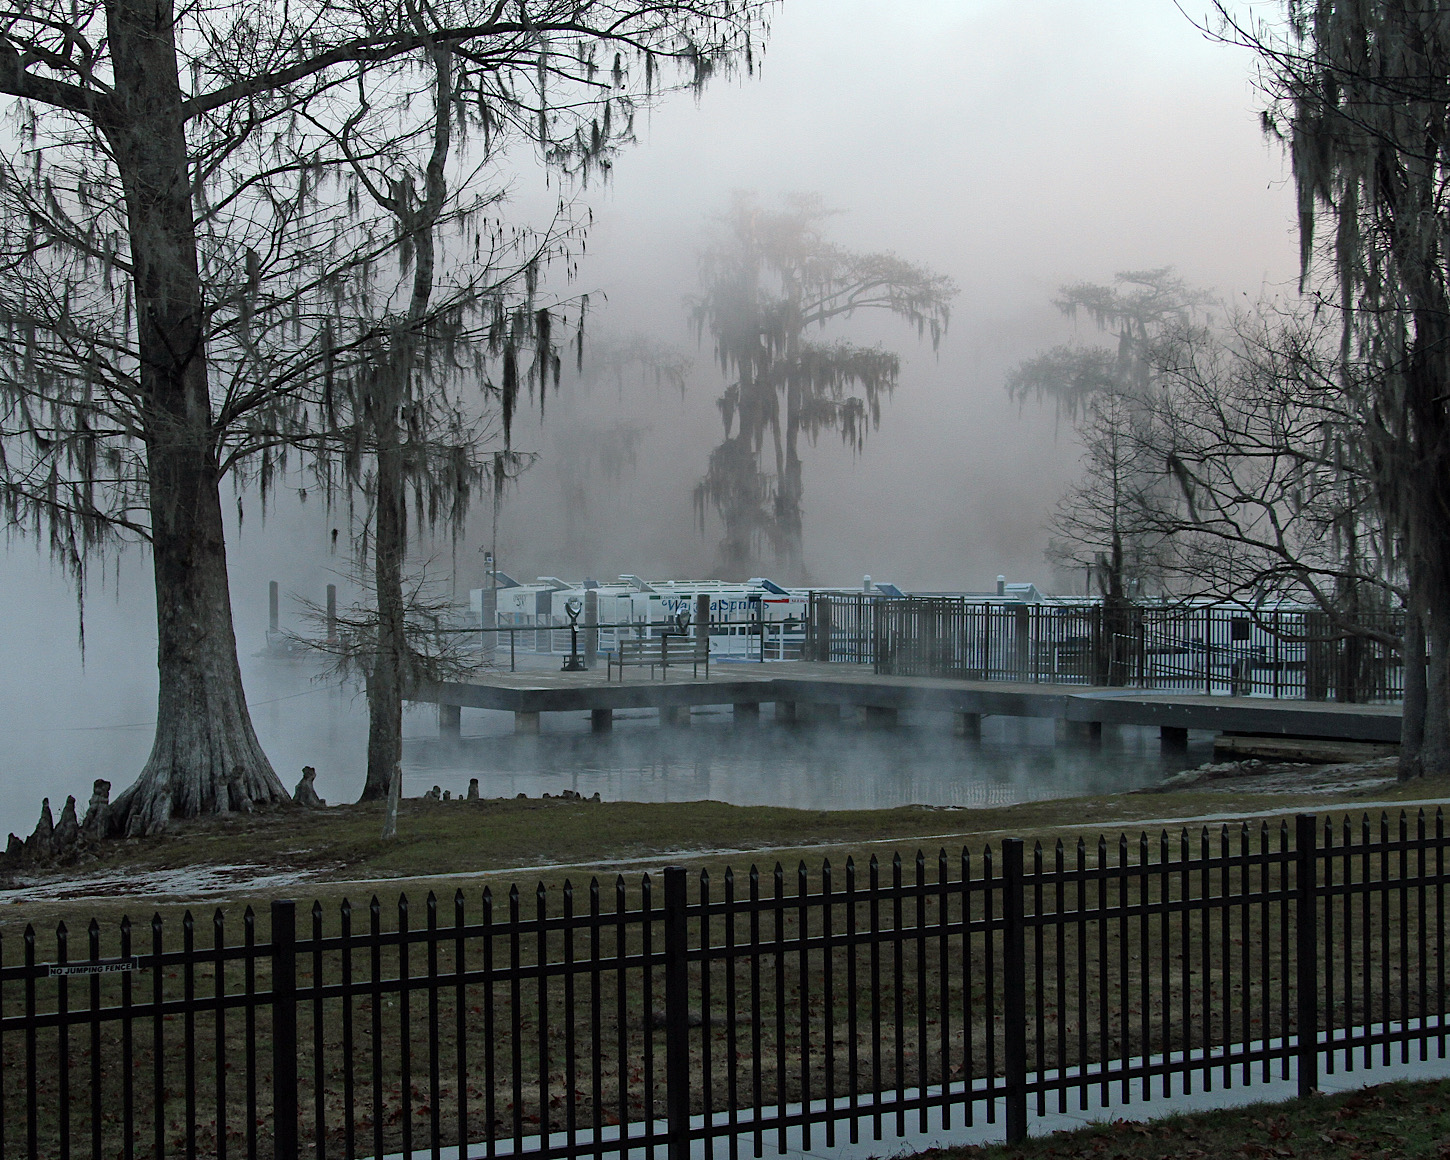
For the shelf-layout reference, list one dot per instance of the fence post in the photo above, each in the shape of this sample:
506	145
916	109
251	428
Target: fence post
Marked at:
1014	991
284	1029
677	1016
1306	950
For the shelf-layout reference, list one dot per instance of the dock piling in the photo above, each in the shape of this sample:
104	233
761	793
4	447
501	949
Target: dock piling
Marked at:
450	722
881	717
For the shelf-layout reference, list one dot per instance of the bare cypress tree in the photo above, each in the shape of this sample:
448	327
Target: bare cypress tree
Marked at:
1102	523
1360	96
768	280
174	191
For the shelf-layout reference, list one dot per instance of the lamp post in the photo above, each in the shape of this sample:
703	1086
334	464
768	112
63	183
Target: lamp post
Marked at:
573	663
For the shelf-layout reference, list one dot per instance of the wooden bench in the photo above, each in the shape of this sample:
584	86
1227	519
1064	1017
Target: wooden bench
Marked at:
657	652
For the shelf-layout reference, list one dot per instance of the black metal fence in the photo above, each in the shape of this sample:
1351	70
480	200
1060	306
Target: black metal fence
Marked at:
1204	649
730	1015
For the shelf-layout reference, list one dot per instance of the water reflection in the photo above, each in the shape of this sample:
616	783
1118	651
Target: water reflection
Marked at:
804	766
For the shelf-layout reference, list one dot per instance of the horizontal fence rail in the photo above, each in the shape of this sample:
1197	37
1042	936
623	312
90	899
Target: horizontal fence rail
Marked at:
736	1014
1207	649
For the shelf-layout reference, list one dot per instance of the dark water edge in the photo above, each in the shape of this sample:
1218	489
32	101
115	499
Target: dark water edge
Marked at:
806	766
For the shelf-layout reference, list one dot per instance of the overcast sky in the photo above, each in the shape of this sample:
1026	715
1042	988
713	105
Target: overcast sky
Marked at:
1012	144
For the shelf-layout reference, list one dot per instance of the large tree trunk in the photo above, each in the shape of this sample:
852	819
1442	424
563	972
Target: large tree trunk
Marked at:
387	679
1412	722
1435	748
205	758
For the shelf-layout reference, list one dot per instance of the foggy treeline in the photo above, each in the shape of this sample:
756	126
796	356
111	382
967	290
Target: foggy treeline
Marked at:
309	288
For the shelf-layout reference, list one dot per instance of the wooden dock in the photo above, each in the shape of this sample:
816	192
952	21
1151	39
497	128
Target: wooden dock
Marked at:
801	689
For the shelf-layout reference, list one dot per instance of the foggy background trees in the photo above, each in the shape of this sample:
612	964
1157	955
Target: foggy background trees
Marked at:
770	280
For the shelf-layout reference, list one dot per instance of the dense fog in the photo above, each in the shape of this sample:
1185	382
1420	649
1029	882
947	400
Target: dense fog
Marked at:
1012	147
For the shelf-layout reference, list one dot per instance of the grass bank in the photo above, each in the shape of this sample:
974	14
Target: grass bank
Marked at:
335	852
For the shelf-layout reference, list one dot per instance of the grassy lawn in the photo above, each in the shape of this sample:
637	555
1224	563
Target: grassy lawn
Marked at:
1404	1121
444	846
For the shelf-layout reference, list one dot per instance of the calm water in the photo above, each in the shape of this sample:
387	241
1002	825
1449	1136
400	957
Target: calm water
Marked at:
807	766
301	722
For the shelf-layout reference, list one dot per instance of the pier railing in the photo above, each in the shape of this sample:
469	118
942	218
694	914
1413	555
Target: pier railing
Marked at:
747	1013
1205	649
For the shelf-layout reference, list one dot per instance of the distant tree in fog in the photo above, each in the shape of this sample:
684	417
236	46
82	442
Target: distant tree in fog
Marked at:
179	229
768	279
1106	390
594	439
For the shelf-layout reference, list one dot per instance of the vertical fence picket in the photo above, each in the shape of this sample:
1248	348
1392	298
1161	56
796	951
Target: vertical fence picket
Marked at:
32	1107
1039	1007
969	1062
732	1030
284	1029
677	1014
375	995
1165	945
158	1041
828	999
1014	987
1059	874
802	993
1307	952
571	1063
516	1030
944	994
460	1021
319	1057
853	1011
219	1027
435	1093
405	1024
188	1031
93	949
707	1038
1422	949
349	1108
490	1038
1145	968
778	961
1440	925
1384	907
62	1036
541	966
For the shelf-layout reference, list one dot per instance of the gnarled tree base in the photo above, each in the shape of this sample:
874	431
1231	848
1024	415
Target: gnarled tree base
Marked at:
200	765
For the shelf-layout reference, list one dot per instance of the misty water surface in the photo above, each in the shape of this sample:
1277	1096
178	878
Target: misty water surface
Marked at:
300	721
804	766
